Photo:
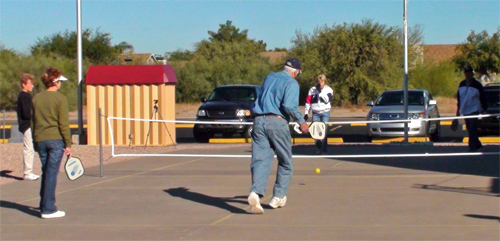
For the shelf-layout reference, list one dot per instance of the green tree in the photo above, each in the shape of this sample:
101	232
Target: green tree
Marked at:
360	59
96	46
179	55
13	65
439	79
481	51
227	57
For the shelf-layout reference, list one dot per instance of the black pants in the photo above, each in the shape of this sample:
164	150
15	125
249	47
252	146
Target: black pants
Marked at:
471	124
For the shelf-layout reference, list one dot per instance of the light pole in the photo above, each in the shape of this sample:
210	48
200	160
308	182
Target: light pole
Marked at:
405	84
80	75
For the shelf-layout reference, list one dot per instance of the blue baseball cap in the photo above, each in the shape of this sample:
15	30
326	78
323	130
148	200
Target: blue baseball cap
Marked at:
293	63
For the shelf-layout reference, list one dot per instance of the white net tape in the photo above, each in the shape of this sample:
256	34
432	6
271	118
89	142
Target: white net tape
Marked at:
109	120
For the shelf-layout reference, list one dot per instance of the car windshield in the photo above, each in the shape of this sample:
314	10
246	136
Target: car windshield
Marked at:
396	98
492	98
233	94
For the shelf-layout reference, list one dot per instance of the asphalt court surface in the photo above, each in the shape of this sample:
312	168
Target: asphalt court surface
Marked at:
205	198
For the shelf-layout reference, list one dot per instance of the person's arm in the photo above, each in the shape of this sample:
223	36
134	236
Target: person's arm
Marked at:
63	122
326	96
482	97
26	107
458	102
291	105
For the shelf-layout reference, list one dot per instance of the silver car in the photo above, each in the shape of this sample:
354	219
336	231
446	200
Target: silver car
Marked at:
390	106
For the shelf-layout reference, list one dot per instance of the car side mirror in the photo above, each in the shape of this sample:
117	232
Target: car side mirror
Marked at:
369	103
203	99
432	102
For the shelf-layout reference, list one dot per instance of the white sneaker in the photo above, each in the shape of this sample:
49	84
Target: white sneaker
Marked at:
30	176
254	201
277	202
57	214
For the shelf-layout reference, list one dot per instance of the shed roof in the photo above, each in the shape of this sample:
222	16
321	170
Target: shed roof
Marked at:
130	74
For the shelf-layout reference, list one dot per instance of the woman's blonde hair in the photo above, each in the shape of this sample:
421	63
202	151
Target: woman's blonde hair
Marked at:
322	78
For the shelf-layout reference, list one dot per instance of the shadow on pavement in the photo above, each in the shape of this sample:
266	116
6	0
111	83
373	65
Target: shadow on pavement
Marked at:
219	202
23	208
6	173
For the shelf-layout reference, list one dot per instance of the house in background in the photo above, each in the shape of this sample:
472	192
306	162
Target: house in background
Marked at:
141	59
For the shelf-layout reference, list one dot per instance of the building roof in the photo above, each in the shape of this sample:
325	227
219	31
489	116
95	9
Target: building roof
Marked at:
130	74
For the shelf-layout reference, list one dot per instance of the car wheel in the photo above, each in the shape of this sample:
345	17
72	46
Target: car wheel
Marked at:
369	138
202	137
437	133
248	133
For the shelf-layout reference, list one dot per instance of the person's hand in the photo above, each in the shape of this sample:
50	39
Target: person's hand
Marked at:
67	152
324	98
304	128
306	116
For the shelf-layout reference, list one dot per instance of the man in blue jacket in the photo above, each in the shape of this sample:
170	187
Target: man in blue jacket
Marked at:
471	101
277	104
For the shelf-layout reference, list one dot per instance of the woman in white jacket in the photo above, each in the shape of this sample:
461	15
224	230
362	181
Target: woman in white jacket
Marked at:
318	101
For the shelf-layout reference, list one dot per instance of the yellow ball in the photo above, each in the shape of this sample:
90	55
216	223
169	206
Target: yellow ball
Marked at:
317	170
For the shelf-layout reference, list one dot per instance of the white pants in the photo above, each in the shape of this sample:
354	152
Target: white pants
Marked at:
28	152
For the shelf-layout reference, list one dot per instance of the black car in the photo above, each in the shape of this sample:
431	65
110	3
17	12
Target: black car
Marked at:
228	103
491	124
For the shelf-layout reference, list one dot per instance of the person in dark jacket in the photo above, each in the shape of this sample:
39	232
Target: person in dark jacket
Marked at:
24	109
471	101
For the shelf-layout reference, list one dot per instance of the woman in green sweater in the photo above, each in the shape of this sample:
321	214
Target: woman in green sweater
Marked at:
52	138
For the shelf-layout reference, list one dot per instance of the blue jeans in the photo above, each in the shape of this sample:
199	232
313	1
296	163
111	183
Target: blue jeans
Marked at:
51	153
322	145
271	135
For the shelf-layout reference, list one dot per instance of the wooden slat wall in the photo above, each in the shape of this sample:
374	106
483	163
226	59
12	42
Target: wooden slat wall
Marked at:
131	101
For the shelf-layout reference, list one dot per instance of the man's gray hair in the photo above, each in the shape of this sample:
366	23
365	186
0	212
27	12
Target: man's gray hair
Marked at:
289	69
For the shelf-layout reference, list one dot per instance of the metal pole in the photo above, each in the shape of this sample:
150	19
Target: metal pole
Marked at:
3	127
79	53
405	85
100	141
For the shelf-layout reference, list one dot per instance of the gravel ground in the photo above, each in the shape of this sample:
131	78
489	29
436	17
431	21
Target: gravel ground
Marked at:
11	169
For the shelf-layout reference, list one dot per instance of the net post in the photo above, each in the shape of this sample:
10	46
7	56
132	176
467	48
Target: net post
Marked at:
100	142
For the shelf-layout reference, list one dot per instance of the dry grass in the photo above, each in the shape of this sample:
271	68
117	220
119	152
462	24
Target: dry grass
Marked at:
447	106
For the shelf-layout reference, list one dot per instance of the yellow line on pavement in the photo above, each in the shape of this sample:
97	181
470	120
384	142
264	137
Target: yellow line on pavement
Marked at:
358	124
230	140
121	177
230	215
249	140
76	126
5	126
485	139
410	139
184	125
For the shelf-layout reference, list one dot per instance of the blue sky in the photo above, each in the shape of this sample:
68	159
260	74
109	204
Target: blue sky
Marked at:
159	26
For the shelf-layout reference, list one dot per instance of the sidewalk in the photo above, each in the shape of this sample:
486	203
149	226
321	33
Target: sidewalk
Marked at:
204	198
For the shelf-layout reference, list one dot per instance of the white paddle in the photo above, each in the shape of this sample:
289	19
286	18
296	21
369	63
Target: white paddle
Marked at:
74	168
316	129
